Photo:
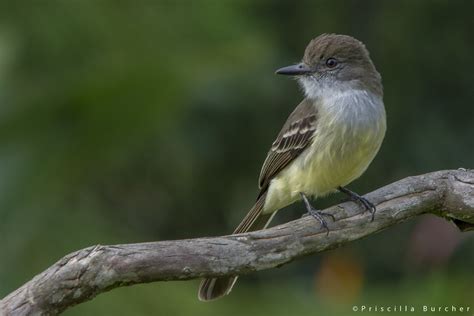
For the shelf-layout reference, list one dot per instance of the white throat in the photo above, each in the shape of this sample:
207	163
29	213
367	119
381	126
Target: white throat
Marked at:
343	102
315	89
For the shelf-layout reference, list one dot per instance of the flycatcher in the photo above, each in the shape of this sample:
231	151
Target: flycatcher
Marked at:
327	141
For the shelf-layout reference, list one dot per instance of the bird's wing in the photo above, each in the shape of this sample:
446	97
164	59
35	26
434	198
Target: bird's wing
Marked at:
293	138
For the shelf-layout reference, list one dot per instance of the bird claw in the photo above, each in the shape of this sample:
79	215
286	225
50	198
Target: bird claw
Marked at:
316	214
369	206
319	216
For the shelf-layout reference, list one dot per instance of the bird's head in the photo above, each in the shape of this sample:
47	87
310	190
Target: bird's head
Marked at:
333	61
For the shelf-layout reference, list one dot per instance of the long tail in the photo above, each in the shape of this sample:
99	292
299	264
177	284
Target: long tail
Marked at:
214	288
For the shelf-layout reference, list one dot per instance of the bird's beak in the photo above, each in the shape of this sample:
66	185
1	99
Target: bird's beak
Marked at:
294	70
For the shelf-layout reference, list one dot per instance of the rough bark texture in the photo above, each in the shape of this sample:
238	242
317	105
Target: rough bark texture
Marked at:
82	275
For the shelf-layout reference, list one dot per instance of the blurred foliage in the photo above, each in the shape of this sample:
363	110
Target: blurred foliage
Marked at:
137	121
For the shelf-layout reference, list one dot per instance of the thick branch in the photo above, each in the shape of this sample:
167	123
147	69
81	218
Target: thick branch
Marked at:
82	275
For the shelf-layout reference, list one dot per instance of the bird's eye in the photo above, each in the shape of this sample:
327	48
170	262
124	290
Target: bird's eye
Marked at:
331	62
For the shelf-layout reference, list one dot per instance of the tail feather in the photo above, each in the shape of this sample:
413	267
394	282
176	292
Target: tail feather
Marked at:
214	288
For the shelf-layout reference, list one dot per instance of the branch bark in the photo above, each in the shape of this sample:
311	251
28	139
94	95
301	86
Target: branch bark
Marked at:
82	275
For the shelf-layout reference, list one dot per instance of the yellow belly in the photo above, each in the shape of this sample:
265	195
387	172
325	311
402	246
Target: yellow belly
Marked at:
334	159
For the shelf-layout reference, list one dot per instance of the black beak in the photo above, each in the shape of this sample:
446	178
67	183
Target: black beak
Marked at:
294	70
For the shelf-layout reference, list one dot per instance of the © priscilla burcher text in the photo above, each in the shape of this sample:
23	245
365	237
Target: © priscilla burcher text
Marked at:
411	308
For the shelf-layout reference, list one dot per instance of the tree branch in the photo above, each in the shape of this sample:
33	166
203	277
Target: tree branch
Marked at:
82	275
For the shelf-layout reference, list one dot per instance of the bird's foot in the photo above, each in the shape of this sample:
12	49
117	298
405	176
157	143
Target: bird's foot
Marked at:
316	214
369	206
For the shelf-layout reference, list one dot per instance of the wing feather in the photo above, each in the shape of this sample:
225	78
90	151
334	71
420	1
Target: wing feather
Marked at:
292	140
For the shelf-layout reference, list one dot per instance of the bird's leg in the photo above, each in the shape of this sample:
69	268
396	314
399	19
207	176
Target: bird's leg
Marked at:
316	213
369	206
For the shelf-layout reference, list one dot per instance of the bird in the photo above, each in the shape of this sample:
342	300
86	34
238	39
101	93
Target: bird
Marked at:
327	142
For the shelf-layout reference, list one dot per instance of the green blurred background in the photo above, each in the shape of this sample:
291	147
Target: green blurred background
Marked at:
130	121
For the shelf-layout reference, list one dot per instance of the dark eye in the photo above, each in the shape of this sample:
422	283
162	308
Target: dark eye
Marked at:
331	62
